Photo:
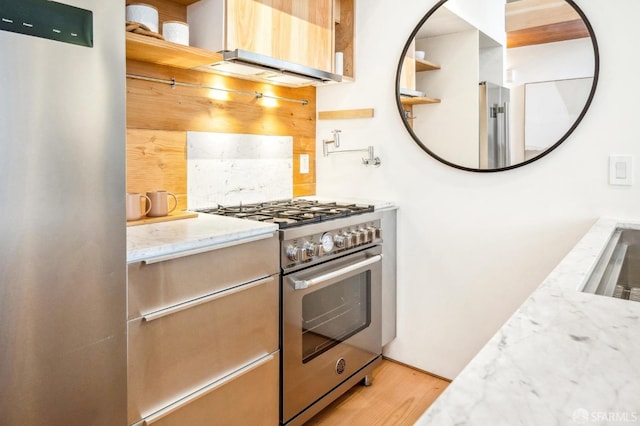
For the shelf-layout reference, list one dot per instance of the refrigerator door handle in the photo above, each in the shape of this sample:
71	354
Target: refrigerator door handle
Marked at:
507	148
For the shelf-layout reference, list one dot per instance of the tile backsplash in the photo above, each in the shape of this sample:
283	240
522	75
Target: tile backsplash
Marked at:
231	168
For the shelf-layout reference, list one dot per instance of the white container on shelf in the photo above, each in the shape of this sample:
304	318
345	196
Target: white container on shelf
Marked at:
419	54
143	14
339	63
176	32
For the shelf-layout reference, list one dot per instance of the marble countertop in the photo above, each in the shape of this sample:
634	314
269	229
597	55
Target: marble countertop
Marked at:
164	240
564	358
177	238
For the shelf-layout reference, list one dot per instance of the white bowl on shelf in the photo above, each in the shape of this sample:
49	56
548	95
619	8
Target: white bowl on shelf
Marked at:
143	14
176	32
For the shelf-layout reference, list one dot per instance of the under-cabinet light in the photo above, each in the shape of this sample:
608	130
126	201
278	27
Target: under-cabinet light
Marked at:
236	68
219	94
288	79
269	100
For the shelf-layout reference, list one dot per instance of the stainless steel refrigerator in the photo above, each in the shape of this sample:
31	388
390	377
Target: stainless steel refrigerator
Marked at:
62	213
494	126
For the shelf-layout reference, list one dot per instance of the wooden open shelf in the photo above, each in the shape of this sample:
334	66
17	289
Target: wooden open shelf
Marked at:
171	216
185	2
153	50
422	65
346	114
419	101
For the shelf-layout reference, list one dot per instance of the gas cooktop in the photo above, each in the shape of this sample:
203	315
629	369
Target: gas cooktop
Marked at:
290	212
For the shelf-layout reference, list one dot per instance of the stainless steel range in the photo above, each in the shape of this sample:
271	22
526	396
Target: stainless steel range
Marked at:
331	279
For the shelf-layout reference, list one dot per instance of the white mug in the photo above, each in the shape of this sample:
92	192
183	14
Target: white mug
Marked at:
339	63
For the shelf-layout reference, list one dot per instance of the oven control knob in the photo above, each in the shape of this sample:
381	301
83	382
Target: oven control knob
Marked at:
357	238
340	241
350	238
377	232
311	250
363	236
293	253
371	233
366	235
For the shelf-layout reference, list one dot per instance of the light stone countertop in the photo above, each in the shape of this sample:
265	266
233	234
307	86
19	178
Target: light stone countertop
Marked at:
564	358
164	240
182	237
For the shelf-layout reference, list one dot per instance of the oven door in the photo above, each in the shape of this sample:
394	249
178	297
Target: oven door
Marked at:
331	326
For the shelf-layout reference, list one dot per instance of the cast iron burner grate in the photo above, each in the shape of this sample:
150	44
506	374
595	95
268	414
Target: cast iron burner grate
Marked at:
290	212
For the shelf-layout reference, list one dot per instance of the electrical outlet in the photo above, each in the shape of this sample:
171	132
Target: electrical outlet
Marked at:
304	164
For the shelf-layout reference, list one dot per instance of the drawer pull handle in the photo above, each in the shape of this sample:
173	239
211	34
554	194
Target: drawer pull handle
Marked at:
205	390
304	284
188	305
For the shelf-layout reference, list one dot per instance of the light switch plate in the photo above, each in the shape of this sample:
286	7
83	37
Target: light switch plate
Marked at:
304	164
621	170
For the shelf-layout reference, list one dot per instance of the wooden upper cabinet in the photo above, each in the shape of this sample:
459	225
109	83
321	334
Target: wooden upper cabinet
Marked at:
299	31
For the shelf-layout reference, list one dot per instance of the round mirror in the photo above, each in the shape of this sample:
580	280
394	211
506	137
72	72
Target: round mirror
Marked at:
492	85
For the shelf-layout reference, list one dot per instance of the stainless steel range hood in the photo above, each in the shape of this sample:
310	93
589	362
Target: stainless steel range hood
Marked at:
248	65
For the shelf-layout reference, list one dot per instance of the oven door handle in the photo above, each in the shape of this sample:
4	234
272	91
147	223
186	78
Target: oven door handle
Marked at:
304	284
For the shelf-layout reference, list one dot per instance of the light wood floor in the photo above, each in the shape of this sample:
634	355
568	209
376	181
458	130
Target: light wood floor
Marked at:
399	395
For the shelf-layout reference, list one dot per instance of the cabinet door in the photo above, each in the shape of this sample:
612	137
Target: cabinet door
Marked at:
299	31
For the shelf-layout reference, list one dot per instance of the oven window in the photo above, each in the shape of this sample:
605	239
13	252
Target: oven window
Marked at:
335	313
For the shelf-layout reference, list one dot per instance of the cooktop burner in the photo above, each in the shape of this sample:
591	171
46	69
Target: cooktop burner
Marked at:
290	212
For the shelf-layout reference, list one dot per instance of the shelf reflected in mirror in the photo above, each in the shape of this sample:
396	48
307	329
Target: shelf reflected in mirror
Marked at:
502	83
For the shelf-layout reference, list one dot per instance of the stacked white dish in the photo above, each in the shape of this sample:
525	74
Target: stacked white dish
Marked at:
143	14
176	32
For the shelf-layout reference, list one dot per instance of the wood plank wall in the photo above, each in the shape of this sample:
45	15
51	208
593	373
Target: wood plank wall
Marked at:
159	116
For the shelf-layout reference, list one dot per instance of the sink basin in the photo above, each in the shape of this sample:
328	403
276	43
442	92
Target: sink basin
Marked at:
617	273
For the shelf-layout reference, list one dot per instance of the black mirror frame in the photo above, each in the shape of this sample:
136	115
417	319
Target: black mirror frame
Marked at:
514	166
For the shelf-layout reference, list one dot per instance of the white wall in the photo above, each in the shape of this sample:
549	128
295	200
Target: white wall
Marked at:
486	15
492	64
472	246
562	60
